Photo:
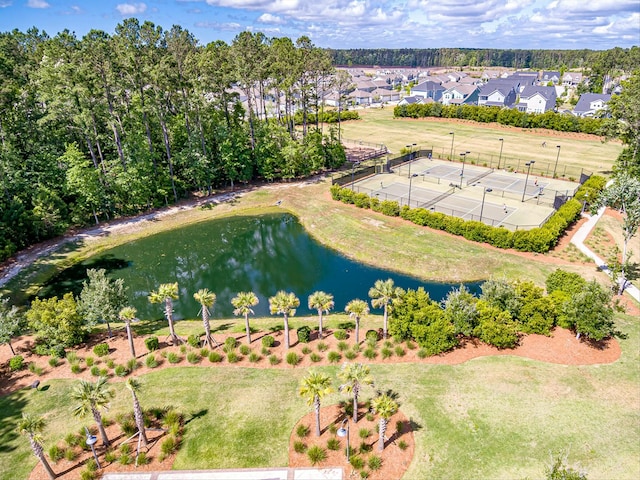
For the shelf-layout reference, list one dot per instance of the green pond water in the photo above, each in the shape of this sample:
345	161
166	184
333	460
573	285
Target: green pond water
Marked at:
262	254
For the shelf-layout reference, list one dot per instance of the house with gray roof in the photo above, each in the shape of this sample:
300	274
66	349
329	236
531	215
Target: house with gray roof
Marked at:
546	77
460	94
498	93
535	99
572	79
428	89
590	104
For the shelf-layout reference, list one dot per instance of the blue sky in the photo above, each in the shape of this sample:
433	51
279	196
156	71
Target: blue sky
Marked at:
557	24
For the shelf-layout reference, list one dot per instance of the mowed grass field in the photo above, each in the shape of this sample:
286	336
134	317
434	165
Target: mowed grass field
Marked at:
490	418
576	151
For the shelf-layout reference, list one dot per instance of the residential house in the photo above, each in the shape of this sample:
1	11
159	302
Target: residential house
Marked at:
535	99
591	103
428	89
382	95
360	97
498	93
411	100
572	79
460	94
546	77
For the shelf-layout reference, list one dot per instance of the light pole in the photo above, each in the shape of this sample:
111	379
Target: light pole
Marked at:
557	158
464	157
409	197
413	146
353	171
453	136
500	157
342	432
91	441
528	165
487	189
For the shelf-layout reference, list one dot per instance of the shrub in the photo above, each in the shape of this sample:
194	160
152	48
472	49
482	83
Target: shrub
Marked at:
194	340
268	341
54	362
265	351
304	334
95	371
371	335
350	354
56	453
215	357
204	352
57	351
103	372
422	353
411	345
110	456
121	370
128	426
193	357
151	343
402	445
315	357
333	428
322	347
364	447
16	363
306	350
132	364
110	363
374	463
88	473
168	446
125	447
245	349
302	430
183	348
370	353
386	352
342	346
364	433
299	447
230	344
143	459
370	417
340	334
254	357
399	351
72	357
173	357
150	361
101	349
356	462
233	357
316	454
273	360
333	444
69	454
334	357
293	358
364	474
89	361
76	368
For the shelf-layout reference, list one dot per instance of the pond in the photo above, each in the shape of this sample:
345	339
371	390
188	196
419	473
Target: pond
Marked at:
262	254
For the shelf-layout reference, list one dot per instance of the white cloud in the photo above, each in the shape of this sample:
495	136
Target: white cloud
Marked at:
230	26
5	3
131	8
37	4
268	18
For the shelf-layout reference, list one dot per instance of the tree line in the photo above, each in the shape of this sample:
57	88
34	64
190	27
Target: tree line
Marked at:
109	125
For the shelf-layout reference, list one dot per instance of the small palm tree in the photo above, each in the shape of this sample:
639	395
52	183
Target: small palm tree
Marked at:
134	386
322	302
32	426
207	300
166	293
285	304
243	302
313	387
357	309
91	398
382	294
128	315
354	376
385	407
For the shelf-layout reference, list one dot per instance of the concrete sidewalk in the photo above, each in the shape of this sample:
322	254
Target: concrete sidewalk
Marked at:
241	474
578	240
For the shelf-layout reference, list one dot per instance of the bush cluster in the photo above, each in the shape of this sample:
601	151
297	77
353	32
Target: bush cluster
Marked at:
101	350
538	240
304	334
151	343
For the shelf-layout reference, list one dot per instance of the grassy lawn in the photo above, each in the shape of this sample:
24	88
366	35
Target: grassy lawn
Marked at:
499	417
379	126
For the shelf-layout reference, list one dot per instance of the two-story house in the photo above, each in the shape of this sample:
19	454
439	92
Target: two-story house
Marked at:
498	93
537	99
428	89
460	94
591	103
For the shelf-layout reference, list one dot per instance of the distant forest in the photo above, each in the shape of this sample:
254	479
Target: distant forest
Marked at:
598	61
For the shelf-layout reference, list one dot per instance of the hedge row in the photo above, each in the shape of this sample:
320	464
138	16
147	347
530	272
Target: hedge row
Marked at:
562	122
539	240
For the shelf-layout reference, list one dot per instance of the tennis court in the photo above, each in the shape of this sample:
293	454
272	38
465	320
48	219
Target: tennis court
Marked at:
399	193
509	183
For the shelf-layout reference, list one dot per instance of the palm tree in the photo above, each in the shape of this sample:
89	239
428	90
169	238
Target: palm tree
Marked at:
207	300
382	293
134	386
357	309
284	303
385	407
322	302
313	387
32	426
128	315
243	302
354	376
166	293
91	398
